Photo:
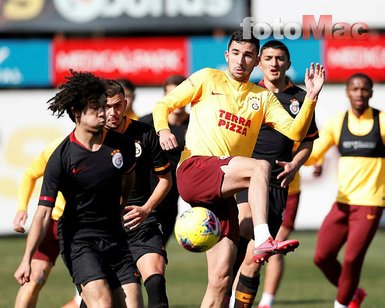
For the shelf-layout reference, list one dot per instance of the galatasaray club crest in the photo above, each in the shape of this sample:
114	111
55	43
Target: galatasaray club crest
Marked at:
294	106
138	149
117	159
254	103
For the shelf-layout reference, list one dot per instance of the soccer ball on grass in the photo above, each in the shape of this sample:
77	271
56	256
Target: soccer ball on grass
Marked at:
197	229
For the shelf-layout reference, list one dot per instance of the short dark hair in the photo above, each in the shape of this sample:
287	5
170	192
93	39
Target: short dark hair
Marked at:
80	89
362	76
276	45
239	37
113	88
128	84
173	80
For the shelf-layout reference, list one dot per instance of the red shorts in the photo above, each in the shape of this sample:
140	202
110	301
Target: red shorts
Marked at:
291	211
49	249
199	181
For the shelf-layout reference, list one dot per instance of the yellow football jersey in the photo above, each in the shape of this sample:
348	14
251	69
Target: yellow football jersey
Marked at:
360	179
226	115
34	171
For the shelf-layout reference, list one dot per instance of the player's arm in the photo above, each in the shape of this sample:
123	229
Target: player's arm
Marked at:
291	168
39	226
33	172
135	215
188	91
328	137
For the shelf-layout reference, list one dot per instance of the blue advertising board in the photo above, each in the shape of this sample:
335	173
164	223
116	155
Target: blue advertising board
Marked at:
209	52
24	63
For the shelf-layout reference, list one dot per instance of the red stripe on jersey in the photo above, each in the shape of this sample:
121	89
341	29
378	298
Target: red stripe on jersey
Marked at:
46	198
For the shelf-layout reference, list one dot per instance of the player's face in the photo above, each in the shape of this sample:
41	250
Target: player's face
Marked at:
241	59
274	63
359	93
93	118
115	109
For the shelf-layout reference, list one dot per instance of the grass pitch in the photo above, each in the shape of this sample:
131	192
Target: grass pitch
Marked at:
303	285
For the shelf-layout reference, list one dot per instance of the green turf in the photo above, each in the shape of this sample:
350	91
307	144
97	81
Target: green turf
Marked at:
303	285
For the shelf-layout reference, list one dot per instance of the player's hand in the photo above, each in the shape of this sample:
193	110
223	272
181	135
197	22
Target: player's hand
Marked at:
23	273
19	221
134	216
288	173
314	80
317	171
167	140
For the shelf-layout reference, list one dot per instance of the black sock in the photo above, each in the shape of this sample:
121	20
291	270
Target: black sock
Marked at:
156	291
246	291
241	252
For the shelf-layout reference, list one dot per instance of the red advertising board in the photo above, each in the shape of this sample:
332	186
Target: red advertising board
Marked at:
145	61
346	57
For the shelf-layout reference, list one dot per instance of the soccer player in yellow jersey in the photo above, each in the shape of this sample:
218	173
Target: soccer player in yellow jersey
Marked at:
359	134
45	257
286	158
226	114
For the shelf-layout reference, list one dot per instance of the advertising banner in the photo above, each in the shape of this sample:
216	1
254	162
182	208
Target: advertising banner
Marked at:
346	57
24	63
124	16
145	61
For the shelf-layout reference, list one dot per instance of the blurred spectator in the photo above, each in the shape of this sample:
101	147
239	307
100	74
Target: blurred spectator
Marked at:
129	93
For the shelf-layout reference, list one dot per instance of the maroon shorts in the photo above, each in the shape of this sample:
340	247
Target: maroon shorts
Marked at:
291	211
48	250
199	181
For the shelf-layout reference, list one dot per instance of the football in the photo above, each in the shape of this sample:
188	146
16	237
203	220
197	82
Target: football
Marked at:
197	229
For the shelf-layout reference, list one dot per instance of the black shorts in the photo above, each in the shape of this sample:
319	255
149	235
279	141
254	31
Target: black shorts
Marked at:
93	259
277	204
148	238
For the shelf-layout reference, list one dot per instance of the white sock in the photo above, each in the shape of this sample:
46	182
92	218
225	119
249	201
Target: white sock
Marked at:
267	299
261	234
338	305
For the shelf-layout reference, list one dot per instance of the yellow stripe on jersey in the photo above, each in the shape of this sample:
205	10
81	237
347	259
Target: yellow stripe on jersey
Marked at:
34	171
226	115
162	168
360	179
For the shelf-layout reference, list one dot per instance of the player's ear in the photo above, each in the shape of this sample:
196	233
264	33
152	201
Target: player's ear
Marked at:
257	61
288	65
227	56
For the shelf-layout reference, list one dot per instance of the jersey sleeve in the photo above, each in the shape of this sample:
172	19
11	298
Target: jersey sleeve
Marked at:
188	91
329	136
161	164
277	117
33	172
51	180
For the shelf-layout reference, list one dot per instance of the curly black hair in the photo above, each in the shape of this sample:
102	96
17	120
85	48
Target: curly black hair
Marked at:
76	93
